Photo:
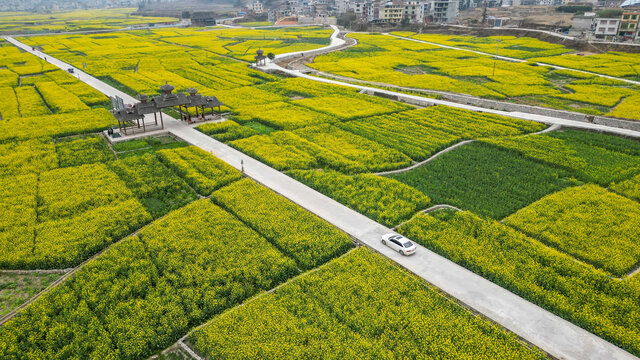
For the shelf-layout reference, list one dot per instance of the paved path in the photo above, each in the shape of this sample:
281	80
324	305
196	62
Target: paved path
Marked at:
549	332
506	58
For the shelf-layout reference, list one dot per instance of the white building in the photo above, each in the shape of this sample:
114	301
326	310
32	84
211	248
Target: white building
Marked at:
414	11
256	7
606	27
444	11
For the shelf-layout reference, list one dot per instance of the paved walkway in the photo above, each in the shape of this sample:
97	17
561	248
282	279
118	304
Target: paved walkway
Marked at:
549	332
514	59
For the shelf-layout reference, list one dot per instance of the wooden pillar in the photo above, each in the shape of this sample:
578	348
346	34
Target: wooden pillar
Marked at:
180	110
155	116
138	123
161	120
144	128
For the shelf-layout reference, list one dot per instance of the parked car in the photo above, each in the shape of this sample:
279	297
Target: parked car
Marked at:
399	243
70	70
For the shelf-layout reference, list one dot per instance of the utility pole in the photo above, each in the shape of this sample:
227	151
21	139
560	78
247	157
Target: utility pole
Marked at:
496	58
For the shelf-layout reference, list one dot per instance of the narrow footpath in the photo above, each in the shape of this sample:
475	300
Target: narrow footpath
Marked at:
545	330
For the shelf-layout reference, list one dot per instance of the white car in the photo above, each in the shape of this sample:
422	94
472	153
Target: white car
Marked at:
399	243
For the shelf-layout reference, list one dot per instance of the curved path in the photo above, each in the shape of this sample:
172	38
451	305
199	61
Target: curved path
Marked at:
428	210
536	325
514	59
436	155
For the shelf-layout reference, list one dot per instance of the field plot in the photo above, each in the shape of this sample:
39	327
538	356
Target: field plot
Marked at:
421	133
484	179
146	291
135	62
80	150
587	162
243	43
322	145
146	145
32	87
629	188
384	200
586	296
295	231
202	171
382	59
588	222
342	312
618	64
76	20
511	46
29	156
15	289
157	187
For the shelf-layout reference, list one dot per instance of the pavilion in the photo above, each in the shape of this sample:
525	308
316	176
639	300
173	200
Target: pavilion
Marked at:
133	116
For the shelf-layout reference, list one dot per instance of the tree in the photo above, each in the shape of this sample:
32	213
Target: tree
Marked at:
271	56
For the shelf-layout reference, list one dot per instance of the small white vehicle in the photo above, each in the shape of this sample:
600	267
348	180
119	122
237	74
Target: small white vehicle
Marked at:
399	243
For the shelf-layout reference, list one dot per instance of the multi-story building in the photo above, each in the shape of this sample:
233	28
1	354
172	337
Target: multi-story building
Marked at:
443	11
607	27
414	11
582	24
392	12
256	7
629	23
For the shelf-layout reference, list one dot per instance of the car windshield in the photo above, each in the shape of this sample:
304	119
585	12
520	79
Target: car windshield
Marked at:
408	244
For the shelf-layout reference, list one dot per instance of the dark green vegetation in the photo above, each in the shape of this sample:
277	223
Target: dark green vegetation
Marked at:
80	150
146	145
590	157
157	187
485	179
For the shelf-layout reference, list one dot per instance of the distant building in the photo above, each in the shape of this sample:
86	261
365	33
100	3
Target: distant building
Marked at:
203	18
607	27
256	7
497	21
414	11
629	23
392	12
444	11
582	24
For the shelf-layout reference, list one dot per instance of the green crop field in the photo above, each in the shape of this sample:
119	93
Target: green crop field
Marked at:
484	179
